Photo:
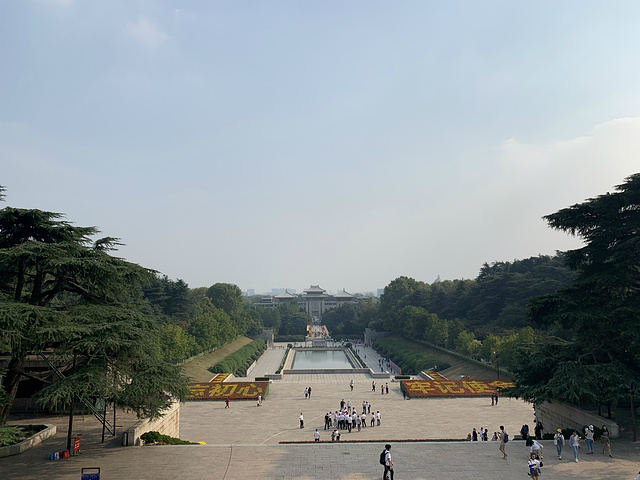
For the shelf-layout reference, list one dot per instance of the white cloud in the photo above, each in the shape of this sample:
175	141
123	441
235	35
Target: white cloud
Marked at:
147	33
580	167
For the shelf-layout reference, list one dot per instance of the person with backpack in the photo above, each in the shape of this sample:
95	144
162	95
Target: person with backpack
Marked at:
504	438
385	459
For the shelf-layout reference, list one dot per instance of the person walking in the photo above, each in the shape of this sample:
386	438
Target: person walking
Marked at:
226	402
588	438
524	431
534	466
574	443
351	385
558	441
373	386
309	392
504	438
388	463
377	417
301	420
387	388
606	439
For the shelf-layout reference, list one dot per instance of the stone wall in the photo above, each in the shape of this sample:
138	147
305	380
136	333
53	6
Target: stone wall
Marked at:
561	415
168	424
370	335
267	335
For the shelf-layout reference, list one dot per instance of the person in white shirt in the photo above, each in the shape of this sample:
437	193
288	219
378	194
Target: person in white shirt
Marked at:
534	467
377	416
535	449
574	442
301	420
388	463
588	437
316	435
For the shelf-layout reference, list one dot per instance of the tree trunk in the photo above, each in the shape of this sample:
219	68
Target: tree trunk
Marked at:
11	382
70	427
633	417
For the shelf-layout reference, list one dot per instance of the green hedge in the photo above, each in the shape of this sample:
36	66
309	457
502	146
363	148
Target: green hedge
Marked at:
411	357
238	362
289	338
155	437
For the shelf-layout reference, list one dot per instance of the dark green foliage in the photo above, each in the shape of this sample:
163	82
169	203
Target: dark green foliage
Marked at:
10	435
601	362
289	338
238	362
63	292
411	357
350	319
496	300
157	438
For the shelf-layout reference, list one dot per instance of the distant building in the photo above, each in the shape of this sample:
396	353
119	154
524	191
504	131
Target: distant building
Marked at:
250	292
315	301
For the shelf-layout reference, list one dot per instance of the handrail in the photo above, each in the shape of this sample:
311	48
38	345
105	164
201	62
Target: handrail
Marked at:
111	429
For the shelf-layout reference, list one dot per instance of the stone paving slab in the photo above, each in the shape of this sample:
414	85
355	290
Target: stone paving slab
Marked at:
242	441
433	461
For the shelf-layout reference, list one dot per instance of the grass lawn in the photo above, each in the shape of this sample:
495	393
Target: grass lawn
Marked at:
196	368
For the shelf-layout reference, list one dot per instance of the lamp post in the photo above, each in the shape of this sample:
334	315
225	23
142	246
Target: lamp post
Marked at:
497	355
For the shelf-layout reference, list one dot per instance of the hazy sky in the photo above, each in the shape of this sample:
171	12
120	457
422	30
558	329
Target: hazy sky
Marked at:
340	143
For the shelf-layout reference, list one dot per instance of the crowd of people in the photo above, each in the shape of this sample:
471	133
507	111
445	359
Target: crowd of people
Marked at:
348	418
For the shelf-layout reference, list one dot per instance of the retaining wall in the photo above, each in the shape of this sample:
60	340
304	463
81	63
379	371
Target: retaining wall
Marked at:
168	424
561	415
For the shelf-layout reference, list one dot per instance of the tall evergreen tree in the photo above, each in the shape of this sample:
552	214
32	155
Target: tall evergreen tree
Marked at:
61	292
601	308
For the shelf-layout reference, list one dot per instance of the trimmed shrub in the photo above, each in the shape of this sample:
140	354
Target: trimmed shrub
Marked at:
411	357
238	362
156	437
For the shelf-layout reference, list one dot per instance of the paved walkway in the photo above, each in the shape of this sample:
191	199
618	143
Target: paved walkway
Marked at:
268	362
242	441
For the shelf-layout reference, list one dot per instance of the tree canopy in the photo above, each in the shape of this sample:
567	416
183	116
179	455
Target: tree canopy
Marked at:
63	293
601	308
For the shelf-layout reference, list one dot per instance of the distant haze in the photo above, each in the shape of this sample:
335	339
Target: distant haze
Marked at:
340	144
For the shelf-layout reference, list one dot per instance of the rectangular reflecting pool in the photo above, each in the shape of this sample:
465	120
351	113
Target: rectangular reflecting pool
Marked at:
320	360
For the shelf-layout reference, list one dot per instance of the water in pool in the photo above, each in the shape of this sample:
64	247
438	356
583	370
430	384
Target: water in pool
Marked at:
320	359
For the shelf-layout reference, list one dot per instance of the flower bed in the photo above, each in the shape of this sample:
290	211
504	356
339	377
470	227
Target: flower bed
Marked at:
219	377
453	388
232	390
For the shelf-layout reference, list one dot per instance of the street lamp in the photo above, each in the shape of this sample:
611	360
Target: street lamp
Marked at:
497	355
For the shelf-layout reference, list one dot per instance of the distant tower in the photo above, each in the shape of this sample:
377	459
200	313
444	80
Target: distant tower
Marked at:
437	280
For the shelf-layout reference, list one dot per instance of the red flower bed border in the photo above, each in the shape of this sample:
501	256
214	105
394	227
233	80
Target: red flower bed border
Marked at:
231	390
453	388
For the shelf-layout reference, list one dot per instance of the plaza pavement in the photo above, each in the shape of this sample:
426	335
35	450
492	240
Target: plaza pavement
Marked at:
242	441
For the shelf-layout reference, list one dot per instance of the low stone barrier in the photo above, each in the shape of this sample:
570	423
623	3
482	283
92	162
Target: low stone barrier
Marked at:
32	441
168	424
561	415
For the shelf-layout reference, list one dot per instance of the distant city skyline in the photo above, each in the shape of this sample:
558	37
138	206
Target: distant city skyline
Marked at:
340	143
